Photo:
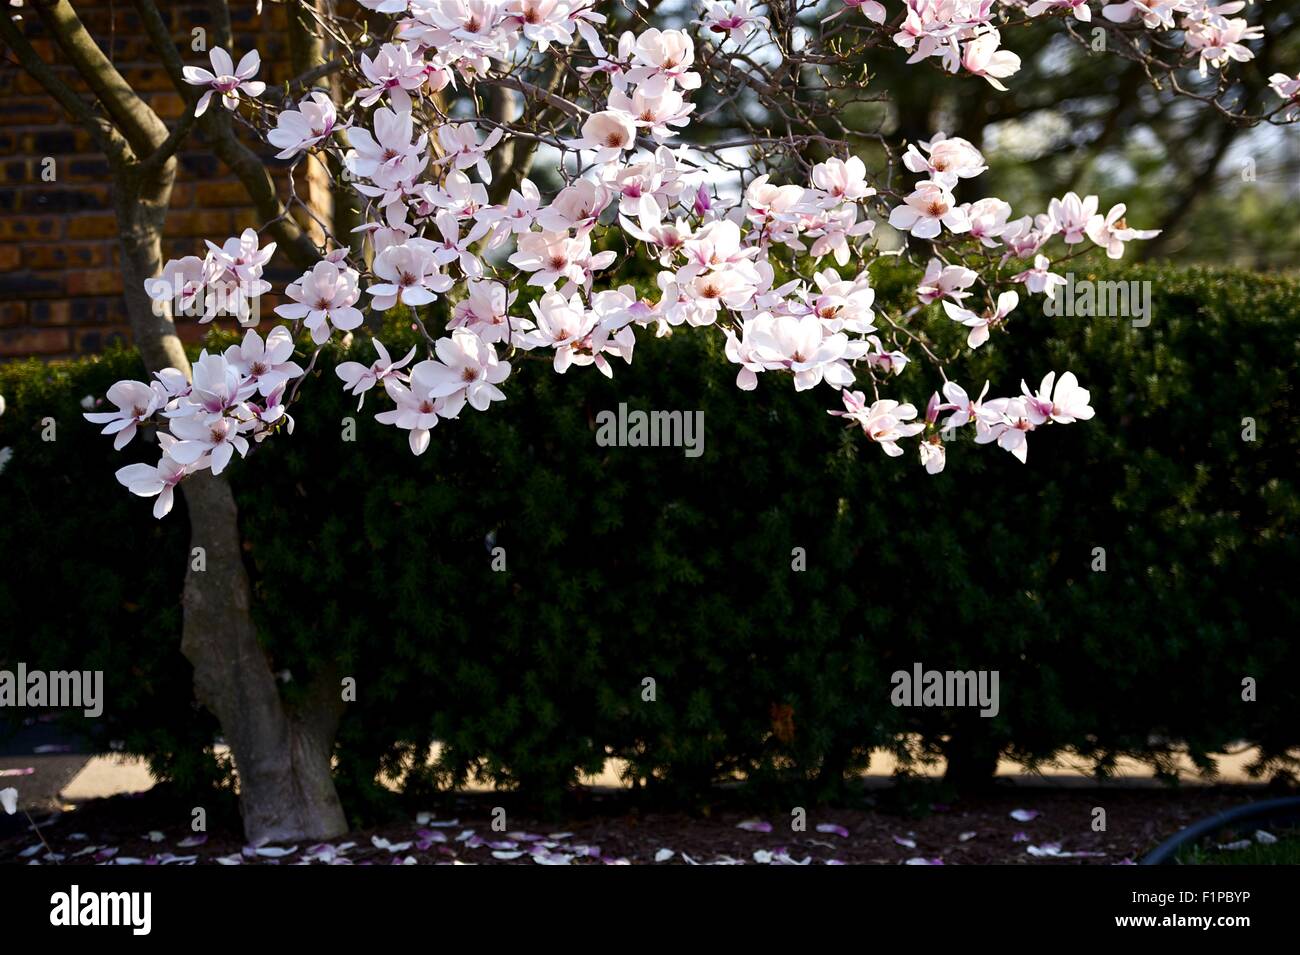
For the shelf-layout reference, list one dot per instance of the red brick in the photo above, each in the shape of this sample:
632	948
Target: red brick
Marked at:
208	195
167	105
95	282
30	227
92	225
50	313
64	255
13	313
34	341
60	273
202	224
93	340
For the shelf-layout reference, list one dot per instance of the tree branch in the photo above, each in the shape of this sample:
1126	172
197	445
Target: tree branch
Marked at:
156	27
105	133
137	122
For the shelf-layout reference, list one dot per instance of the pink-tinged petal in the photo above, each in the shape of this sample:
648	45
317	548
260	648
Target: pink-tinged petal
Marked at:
754	825
248	65
222	64
221	456
124	436
416	295
1024	815
833	830
163	506
270	852
197	76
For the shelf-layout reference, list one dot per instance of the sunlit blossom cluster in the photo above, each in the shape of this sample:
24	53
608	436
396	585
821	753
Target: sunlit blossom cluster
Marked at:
779	269
233	397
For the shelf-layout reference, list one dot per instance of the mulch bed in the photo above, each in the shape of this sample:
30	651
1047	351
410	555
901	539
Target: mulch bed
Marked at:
1054	828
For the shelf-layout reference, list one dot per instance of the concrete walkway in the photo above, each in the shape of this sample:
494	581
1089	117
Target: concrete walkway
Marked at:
59	778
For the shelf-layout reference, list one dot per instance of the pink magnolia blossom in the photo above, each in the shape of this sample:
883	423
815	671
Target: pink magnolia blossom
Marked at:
410	276
325	297
1078	8
884	422
734	20
928	207
1069	217
209	438
946	159
395	70
980	324
945	281
608	132
1288	88
964	410
225	79
359	378
663	58
467	370
1040	279
266	363
1111	231
1064	405
158	480
844	180
982	57
136	402
485	311
416	411
298	130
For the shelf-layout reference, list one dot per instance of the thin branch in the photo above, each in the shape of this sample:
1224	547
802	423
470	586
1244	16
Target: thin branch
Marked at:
137	122
105	133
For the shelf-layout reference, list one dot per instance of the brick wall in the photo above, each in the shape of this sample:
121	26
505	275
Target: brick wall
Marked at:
60	277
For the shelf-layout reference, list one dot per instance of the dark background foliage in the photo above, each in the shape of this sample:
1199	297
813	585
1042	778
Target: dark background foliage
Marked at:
628	563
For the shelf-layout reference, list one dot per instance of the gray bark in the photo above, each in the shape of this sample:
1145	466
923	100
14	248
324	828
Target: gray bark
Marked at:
283	758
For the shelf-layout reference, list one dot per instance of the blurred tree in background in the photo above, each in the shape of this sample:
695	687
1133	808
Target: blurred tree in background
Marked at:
1085	119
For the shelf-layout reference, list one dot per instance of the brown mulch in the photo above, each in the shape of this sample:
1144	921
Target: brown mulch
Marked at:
611	828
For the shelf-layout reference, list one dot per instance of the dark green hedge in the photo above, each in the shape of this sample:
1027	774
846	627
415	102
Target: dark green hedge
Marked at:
627	563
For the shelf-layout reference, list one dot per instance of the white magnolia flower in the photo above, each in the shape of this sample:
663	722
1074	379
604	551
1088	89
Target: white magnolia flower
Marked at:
226	79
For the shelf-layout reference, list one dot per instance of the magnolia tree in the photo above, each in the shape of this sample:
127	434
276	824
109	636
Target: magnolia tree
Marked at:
712	143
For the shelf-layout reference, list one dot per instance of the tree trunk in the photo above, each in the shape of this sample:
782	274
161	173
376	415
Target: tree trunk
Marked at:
286	792
283	759
972	760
